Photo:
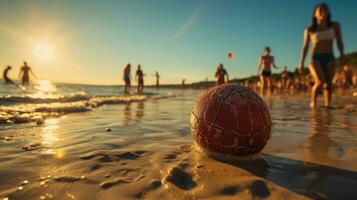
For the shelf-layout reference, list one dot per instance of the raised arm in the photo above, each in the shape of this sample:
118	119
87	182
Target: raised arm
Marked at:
339	39
259	65
274	65
305	47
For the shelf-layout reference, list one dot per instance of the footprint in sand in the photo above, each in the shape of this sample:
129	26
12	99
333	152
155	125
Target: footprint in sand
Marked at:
229	190
180	179
259	189
67	179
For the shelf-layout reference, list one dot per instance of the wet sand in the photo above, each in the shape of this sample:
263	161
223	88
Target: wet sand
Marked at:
144	150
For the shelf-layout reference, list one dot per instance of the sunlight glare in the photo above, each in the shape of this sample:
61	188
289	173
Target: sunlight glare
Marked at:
44	89
44	51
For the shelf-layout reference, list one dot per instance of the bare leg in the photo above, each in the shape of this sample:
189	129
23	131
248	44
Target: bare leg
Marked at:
262	85
328	85
129	86
268	85
319	78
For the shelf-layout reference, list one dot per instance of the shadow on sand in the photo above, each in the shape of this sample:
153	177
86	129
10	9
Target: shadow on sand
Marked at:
309	179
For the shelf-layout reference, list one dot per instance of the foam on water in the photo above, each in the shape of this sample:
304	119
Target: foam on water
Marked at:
35	98
41	109
43	99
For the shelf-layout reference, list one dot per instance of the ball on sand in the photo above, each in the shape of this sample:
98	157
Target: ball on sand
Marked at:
230	122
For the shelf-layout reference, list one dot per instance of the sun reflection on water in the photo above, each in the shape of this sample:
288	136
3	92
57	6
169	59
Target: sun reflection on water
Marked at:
50	137
44	89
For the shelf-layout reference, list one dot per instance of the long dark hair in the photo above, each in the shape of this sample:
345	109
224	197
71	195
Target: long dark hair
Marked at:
313	26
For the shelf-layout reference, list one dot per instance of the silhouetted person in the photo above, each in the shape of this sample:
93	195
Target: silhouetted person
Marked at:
266	61
321	34
220	75
127	77
140	78
157	79
6	75
183	82
25	74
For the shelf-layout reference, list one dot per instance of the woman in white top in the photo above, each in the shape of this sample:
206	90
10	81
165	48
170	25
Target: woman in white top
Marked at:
321	35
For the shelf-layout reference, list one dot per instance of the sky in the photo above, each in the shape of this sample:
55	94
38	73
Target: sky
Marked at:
90	41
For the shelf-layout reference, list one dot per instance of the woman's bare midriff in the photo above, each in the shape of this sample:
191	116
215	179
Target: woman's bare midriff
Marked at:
323	47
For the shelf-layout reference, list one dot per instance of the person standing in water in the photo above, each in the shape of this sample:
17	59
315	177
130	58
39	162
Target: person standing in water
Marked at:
127	76
221	74
139	76
25	74
6	75
183	82
266	61
157	79
321	35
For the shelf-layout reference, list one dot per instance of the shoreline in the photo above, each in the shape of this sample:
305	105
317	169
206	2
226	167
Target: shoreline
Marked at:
148	153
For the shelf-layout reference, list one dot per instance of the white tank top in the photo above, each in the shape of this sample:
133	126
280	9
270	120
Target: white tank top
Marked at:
318	36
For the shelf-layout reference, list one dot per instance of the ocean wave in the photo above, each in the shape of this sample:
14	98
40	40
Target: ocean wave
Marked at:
39	98
39	111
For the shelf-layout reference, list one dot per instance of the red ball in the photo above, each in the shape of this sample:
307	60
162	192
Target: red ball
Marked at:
230	55
230	121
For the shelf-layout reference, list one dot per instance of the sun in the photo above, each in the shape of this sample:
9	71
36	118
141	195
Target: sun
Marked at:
44	50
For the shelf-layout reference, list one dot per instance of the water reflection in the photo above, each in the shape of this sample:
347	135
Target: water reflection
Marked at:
140	111
322	147
44	89
127	114
136	115
50	137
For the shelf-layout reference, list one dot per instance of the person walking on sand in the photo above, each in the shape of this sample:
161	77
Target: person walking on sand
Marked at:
265	62
25	74
221	74
157	79
321	34
139	76
6	75
127	77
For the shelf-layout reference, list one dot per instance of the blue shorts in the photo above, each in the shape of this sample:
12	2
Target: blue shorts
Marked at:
266	73
324	59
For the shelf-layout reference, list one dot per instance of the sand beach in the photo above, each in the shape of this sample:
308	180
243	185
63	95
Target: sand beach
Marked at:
142	149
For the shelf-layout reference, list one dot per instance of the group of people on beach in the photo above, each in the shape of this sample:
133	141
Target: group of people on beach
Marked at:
139	76
25	72
320	35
